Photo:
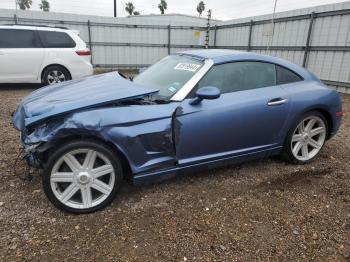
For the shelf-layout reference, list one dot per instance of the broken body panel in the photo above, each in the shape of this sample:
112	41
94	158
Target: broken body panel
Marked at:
116	114
93	91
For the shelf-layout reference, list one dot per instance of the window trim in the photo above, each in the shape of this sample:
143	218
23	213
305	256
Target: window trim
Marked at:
262	61
186	93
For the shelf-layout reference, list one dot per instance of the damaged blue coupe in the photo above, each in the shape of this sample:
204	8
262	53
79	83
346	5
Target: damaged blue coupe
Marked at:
190	111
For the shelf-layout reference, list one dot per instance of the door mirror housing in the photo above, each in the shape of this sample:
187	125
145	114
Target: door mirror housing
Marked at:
207	92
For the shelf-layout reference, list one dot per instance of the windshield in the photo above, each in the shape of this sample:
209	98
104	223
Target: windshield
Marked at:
169	75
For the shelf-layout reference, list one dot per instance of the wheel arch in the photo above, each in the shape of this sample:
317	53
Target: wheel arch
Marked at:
55	64
54	145
327	116
316	111
318	108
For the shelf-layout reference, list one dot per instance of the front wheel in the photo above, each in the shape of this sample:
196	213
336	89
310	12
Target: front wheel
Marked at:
82	177
305	140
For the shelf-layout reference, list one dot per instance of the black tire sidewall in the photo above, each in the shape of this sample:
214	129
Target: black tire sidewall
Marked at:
106	151
287	150
52	68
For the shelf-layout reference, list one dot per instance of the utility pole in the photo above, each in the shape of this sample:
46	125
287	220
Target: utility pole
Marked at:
16	14
115	8
273	26
208	30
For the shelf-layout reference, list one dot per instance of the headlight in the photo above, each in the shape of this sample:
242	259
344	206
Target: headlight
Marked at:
31	148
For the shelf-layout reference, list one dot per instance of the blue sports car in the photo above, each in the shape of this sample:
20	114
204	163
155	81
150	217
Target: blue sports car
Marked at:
191	110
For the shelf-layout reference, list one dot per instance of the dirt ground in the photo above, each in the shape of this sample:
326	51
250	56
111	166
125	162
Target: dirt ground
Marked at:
259	211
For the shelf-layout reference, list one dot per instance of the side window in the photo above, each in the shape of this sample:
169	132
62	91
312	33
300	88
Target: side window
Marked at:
285	76
13	38
53	39
239	76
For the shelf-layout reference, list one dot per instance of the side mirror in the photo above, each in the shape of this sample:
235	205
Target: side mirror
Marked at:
207	92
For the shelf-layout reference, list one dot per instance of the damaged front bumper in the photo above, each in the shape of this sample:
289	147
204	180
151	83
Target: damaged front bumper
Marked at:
31	155
31	152
26	159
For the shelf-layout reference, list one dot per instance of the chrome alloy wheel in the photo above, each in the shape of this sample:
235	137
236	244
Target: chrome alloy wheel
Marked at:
82	178
308	138
55	77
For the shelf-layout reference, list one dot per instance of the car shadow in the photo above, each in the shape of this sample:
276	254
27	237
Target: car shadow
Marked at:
19	86
128	189
293	178
131	194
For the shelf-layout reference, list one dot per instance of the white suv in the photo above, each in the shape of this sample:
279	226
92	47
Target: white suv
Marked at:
37	54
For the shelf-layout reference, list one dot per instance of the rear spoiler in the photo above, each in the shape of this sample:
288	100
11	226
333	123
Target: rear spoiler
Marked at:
77	32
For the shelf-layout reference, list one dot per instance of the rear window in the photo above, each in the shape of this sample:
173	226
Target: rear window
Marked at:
53	39
15	38
285	76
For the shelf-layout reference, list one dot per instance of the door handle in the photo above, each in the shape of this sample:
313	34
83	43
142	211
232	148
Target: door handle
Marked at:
277	101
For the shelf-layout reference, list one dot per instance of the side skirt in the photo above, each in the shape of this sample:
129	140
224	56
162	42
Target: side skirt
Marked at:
165	174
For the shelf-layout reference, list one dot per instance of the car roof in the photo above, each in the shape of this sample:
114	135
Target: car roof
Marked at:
35	27
210	53
219	56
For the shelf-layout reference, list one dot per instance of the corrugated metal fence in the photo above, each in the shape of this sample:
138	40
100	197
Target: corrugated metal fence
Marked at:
318	38
120	42
319	41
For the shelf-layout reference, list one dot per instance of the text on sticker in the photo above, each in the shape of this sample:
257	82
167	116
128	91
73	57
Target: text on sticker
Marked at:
187	67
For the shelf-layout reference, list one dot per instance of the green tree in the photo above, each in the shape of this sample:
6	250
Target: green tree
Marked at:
129	7
24	4
45	5
200	7
162	6
136	13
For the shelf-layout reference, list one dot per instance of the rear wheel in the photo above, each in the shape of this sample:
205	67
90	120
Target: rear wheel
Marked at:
55	74
306	138
82	177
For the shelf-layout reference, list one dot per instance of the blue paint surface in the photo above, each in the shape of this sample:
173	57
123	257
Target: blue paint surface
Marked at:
160	140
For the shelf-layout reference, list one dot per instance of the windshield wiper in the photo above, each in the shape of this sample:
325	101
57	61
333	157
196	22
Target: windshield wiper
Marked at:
157	99
131	78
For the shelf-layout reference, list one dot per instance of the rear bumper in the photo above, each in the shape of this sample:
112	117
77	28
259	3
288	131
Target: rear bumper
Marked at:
336	115
336	124
82	69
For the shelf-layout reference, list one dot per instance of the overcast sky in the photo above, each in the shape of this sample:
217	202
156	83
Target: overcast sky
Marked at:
222	9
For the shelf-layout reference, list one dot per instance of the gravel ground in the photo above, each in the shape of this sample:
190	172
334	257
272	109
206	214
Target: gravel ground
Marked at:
261	210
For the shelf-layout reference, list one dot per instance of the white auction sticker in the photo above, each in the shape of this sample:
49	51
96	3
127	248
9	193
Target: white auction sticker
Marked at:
172	89
187	67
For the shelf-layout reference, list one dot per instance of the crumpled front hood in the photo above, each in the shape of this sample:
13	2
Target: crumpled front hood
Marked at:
69	96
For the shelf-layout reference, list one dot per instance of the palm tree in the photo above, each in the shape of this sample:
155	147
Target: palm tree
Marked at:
162	6
200	7
24	4
45	5
129	7
136	13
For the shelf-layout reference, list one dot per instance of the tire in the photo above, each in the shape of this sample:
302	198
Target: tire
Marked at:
308	149
82	177
55	74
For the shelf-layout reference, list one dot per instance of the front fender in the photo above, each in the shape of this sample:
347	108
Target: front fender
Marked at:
144	139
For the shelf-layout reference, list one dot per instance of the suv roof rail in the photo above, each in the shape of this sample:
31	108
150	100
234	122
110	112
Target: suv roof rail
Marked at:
59	27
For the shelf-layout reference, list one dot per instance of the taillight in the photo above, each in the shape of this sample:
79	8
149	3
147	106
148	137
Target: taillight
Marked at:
83	52
339	114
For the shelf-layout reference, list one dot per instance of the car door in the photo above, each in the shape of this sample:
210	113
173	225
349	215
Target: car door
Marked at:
245	119
21	56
